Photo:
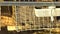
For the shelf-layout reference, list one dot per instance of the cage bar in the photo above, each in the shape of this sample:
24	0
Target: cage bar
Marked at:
30	3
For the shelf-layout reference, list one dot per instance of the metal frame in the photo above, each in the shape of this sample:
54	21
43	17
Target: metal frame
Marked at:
10	3
29	3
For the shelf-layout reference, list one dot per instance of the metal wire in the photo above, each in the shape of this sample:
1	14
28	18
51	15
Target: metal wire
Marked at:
30	3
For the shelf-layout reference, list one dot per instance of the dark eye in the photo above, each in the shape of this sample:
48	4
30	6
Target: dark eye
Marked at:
27	20
58	17
38	7
55	0
23	24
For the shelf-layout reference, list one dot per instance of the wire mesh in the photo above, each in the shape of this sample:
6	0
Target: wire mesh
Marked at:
24	19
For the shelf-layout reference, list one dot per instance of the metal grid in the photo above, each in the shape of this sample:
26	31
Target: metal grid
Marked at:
25	15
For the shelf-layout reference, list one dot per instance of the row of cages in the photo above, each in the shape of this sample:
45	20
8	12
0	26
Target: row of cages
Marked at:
33	0
23	18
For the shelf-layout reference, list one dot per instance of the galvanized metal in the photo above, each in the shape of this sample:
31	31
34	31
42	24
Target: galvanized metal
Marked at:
9	3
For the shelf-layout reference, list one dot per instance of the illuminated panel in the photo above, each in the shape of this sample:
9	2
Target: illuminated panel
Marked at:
11	28
42	12
47	12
